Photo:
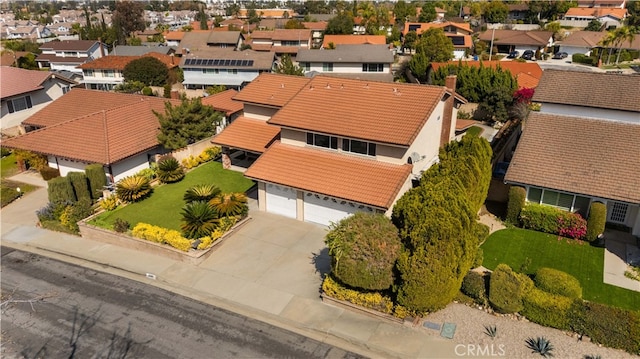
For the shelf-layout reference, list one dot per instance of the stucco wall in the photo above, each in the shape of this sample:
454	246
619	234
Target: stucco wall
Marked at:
259	112
600	113
129	166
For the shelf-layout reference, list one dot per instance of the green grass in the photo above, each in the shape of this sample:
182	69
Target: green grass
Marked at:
8	166
8	189
163	207
583	261
474	131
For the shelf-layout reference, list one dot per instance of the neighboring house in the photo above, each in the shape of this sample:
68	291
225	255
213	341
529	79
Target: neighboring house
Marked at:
268	13
582	16
173	38
602	3
581	42
27	32
569	162
515	40
281	41
347	153
106	72
25	92
233	69
527	74
83	127
194	41
68	55
371	62
458	33
317	32
518	12
335	40
127	50
590	94
224	102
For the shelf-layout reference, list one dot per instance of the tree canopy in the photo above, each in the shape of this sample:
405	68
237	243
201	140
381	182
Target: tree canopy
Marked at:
148	70
186	123
128	16
342	24
432	46
287	67
495	12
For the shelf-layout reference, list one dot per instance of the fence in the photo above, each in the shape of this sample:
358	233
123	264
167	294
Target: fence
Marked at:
193	149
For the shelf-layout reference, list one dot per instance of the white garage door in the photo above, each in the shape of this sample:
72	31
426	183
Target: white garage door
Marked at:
325	210
281	200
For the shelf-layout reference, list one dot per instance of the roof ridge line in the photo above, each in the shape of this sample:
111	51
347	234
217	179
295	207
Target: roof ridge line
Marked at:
106	136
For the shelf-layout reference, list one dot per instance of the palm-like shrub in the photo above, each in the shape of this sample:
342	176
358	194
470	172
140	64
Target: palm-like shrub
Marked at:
169	170
199	219
230	204
201	192
133	188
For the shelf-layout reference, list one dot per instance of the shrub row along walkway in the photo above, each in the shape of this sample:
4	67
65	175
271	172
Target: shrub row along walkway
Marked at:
270	270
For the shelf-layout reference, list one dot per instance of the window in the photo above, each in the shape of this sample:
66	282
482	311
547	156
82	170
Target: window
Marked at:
306	66
534	195
565	201
618	212
581	205
211	71
88	73
66	89
232	71
289	43
372	67
109	73
19	104
361	147
327	67
316	139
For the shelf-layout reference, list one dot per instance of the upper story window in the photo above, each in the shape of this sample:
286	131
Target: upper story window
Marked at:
65	89
109	73
232	71
289	43
361	147
210	71
327	67
372	67
89	73
19	104
306	66
316	139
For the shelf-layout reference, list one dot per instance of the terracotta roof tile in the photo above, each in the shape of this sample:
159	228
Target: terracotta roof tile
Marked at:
224	102
247	134
342	176
596	12
376	111
100	137
528	74
599	158
117	62
462	124
291	34
16	81
353	40
590	89
59	59
424	26
174	35
317	25
517	37
271	89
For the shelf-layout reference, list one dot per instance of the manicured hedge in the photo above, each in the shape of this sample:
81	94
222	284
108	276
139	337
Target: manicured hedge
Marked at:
60	190
558	282
507	288
597	220
80	185
48	173
517	196
474	286
552	220
550	310
97	179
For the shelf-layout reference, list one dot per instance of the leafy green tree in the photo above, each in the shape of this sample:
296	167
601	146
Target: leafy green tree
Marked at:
342	24
428	13
28	62
496	103
495	12
287	67
633	7
148	70
186	123
410	40
594	25
433	46
402	11
363	249
212	90
129	87
294	24
203	19
128	16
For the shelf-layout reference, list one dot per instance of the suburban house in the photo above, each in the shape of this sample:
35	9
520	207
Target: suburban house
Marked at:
331	41
68	55
515	40
129	50
194	41
581	16
106	72
214	66
589	94
340	148
268	13
581	42
527	74
25	92
281	41
458	33
569	162
371	62
83	127
173	38
603	3
224	102
317	32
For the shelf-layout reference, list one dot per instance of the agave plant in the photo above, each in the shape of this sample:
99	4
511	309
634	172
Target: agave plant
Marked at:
491	331
540	345
592	356
199	219
132	188
230	204
169	170
201	192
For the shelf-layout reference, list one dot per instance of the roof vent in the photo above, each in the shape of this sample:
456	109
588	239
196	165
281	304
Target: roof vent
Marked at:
310	87
282	85
328	86
366	86
341	86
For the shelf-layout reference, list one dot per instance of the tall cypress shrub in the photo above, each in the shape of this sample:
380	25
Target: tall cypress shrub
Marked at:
97	179
517	196
80	185
60	190
597	220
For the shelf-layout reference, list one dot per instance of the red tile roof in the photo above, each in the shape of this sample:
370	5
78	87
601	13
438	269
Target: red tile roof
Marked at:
424	26
174	35
224	102
329	173
247	134
517	37
317	25
273	90
79	102
116	62
16	81
599	158
100	137
353	40
596	12
528	74
462	124
376	111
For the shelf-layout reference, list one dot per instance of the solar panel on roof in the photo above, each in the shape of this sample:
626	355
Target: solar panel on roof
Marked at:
227	62
250	62
187	62
216	62
209	62
198	62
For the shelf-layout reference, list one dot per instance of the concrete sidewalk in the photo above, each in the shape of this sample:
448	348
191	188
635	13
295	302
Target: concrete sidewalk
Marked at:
269	270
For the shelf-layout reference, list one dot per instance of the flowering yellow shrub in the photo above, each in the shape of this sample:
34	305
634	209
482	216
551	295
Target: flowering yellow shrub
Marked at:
211	153
161	235
109	203
66	218
190	162
372	300
176	240
205	242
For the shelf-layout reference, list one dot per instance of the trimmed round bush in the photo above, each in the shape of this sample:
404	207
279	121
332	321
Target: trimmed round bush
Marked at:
506	289
517	196
364	248
550	310
558	282
597	220
474	286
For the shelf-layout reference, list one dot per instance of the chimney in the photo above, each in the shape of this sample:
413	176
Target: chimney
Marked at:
448	122
101	47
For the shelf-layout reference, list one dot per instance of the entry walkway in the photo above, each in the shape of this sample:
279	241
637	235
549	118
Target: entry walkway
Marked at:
619	247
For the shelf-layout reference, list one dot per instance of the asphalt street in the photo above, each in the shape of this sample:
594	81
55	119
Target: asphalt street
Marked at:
52	309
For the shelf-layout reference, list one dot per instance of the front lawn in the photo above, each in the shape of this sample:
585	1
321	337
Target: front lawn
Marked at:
585	262
163	207
8	166
8	189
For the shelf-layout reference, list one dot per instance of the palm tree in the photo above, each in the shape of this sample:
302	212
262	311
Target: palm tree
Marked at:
230	204
623	35
199	219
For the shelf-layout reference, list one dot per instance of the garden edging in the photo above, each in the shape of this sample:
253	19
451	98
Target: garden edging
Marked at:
356	308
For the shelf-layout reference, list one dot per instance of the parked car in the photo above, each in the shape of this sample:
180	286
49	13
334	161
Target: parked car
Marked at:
500	170
560	55
528	55
513	55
